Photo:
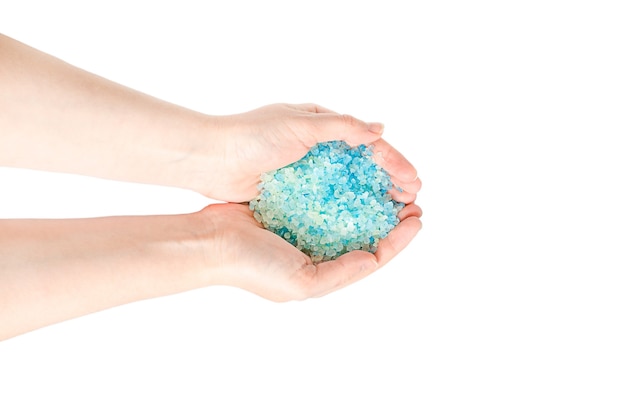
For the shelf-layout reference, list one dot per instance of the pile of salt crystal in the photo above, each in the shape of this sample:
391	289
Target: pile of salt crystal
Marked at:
334	200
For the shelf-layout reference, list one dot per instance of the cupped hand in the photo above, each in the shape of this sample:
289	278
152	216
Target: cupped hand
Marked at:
274	136
261	262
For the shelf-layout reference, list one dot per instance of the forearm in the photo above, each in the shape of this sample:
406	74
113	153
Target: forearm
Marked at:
56	117
53	270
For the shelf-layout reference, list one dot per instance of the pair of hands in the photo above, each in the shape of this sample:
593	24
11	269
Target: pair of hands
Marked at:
271	137
53	270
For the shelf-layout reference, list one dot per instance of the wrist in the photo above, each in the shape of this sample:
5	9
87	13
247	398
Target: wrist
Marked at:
192	242
193	155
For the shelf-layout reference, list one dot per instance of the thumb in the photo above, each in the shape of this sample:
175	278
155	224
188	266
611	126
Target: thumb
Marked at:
343	271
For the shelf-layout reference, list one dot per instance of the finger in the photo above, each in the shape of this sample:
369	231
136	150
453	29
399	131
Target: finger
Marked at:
402	195
412	187
405	191
311	108
333	126
410	210
356	265
345	270
397	239
395	163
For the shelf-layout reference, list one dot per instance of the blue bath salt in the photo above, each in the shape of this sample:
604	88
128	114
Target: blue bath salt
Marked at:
332	201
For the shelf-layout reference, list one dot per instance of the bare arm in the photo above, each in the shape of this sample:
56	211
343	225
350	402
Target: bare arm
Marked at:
54	270
56	117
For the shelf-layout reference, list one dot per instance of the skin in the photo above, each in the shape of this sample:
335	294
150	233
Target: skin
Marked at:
56	117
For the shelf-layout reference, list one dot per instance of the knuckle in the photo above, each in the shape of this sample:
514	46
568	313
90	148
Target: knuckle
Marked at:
349	120
310	107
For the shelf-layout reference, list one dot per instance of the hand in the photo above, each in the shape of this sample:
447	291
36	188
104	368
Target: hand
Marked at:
261	262
274	136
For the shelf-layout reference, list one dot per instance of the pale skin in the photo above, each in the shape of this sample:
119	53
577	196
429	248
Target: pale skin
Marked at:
56	117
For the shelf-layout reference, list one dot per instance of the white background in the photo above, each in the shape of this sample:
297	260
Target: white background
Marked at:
512	294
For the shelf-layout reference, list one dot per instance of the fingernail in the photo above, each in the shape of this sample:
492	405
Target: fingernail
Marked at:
375	127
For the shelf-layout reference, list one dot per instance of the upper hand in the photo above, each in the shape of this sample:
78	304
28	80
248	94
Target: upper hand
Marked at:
274	136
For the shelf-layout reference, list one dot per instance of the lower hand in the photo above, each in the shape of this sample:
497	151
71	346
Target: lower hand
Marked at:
257	260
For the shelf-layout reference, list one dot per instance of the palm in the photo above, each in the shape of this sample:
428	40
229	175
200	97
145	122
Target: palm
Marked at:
254	258
258	141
